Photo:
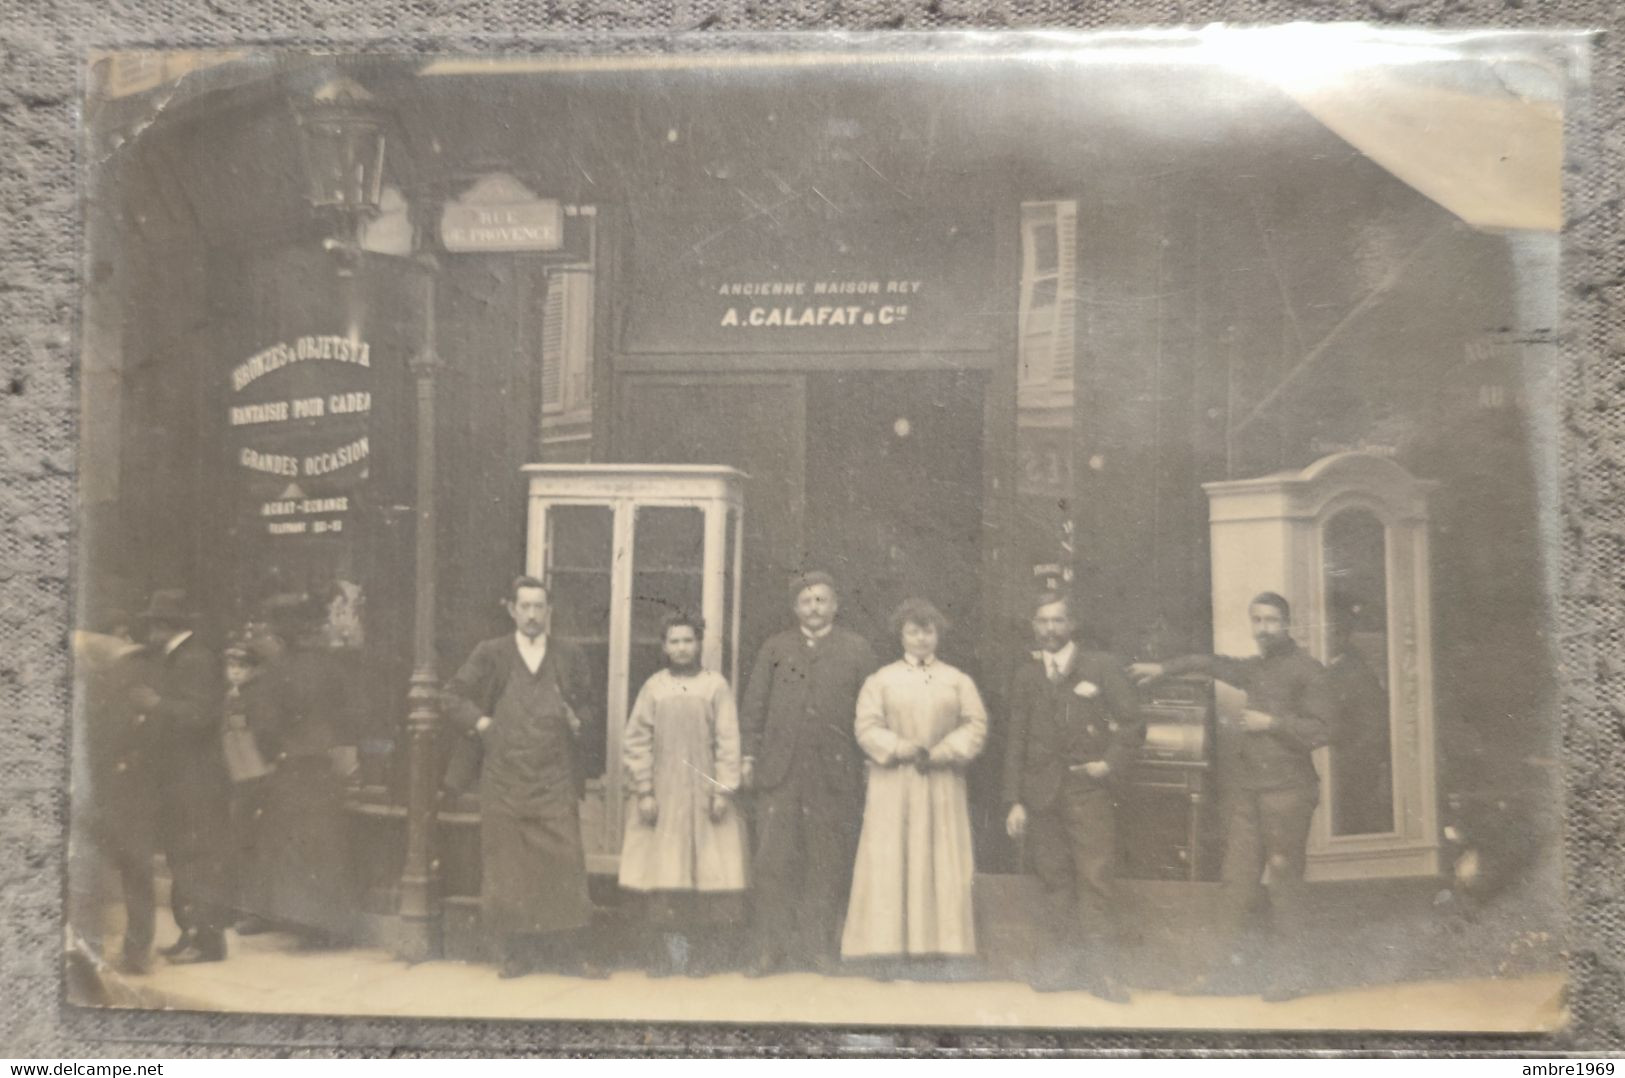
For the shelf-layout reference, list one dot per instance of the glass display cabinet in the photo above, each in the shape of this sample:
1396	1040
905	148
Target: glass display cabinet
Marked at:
622	546
1346	541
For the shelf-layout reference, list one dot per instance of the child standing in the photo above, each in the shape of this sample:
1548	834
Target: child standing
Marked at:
685	844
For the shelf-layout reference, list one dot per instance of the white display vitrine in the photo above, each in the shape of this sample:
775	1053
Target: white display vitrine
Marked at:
622	546
1346	541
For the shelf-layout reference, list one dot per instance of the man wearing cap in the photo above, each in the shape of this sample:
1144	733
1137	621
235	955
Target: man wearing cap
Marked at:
802	759
1267	779
182	694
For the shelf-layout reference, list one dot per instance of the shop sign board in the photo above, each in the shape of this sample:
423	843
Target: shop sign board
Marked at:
298	415
926	285
497	214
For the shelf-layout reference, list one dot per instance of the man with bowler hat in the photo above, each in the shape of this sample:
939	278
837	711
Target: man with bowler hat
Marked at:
801	757
182	695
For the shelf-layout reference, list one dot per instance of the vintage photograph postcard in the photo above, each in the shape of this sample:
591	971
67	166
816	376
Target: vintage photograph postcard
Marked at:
1048	531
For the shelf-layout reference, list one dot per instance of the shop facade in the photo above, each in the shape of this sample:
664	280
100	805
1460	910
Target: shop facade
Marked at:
962	347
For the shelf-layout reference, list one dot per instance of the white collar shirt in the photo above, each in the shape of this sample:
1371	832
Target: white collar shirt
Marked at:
531	651
1057	663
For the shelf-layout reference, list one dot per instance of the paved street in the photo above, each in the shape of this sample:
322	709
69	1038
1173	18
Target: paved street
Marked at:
265	974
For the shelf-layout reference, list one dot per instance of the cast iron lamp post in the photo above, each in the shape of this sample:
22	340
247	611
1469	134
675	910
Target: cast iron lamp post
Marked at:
343	134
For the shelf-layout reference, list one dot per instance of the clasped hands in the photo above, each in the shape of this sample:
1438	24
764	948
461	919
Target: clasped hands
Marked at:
649	808
909	752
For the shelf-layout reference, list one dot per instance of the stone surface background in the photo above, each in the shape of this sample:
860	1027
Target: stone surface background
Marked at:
42	43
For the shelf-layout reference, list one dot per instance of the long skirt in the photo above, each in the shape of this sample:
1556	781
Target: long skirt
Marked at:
911	885
302	875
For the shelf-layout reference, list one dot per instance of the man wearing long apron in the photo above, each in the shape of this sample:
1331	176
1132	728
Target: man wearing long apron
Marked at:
523	697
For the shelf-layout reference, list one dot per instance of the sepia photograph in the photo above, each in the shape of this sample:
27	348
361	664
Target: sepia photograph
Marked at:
1047	531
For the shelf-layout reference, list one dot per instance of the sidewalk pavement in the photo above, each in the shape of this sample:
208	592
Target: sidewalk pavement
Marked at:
267	974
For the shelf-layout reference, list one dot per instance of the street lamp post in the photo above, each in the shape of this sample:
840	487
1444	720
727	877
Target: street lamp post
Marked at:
419	930
343	134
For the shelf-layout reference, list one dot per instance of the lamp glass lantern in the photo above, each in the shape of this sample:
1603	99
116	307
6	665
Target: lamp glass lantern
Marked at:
342	135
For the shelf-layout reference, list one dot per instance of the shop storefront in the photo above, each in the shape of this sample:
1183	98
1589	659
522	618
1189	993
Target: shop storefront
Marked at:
947	354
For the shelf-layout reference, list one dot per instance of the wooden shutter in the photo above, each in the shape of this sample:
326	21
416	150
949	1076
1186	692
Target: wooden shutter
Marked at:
554	357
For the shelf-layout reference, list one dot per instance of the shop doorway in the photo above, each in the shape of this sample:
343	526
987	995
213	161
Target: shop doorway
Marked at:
753	422
876	477
894	498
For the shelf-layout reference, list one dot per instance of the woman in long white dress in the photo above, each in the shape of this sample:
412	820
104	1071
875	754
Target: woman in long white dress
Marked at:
920	722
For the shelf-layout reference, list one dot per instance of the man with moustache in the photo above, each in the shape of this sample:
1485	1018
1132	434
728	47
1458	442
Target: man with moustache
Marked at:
802	759
1269	788
523	697
1074	728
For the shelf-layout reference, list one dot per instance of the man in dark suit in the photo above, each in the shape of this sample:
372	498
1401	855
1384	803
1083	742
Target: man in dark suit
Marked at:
1269	788
801	757
182	695
1074	728
121	794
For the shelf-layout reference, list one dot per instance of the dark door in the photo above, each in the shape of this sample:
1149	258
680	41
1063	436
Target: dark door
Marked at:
750	422
894	498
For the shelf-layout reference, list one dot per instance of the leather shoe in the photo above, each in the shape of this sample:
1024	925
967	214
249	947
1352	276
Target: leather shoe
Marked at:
134	965
207	946
184	943
513	967
1281	993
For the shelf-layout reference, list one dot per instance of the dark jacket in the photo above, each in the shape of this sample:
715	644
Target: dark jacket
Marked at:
194	786
124	750
1054	727
477	687
800	706
1286	684
299	706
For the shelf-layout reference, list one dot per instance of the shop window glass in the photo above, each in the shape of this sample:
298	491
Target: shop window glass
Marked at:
668	551
1362	782
580	549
